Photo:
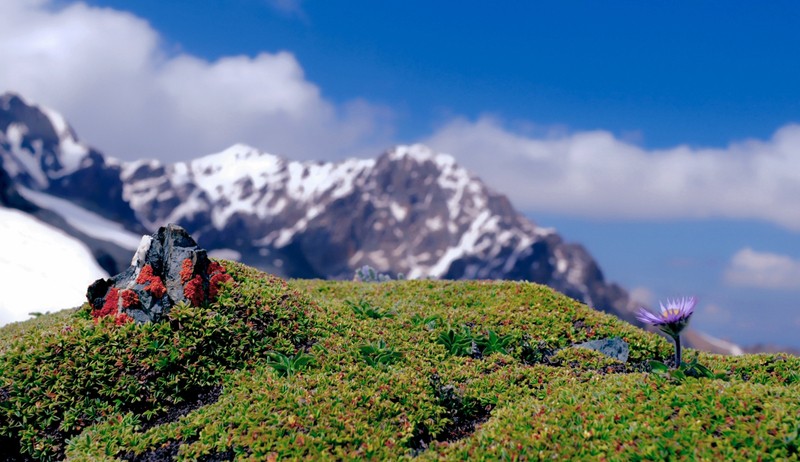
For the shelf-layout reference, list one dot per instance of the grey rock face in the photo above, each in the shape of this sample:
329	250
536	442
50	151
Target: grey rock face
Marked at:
168	268
615	348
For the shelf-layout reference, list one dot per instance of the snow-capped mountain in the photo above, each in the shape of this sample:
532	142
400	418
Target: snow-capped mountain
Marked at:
42	152
410	211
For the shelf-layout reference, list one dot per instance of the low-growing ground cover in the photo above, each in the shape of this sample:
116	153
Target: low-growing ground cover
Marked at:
372	371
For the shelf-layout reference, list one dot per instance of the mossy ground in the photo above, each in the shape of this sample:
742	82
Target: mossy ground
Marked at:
381	385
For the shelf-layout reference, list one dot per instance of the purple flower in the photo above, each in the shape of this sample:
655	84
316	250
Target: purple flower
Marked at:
673	319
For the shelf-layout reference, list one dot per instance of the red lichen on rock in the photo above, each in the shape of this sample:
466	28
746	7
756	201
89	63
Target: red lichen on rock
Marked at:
215	282
154	285
187	270
156	288
122	318
193	291
110	306
214	267
145	275
217	277
129	298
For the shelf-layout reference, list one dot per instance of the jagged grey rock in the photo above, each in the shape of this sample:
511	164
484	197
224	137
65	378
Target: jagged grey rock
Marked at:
168	268
614	347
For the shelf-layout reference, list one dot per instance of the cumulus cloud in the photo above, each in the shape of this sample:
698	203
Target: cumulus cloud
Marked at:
750	268
595	174
109	73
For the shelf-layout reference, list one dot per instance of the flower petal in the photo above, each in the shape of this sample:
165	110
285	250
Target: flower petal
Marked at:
647	317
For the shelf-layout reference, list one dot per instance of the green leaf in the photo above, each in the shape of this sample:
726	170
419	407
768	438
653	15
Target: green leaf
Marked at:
658	366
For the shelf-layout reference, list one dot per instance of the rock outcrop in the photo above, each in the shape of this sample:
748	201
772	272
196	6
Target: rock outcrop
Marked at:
168	268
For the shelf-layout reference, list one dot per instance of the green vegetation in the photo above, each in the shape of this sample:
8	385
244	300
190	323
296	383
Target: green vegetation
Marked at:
458	371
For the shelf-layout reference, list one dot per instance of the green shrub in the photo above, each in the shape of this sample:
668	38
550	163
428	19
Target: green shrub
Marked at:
364	310
528	394
378	354
289	365
57	383
465	343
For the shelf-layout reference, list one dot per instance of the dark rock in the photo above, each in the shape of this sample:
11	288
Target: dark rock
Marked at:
615	348
168	268
164	453
195	399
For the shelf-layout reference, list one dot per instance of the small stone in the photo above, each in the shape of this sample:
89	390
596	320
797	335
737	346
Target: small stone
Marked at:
615	348
167	268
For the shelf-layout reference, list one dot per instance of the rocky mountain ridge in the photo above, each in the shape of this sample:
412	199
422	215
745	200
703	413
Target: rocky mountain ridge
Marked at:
410	211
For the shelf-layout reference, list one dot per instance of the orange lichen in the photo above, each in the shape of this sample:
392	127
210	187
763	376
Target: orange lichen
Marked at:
129	298
193	291
145	275
153	283
215	282
122	318
110	306
187	270
217	277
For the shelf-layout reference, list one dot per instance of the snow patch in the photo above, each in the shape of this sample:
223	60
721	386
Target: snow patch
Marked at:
41	267
434	224
466	245
732	348
141	252
225	254
398	211
57	121
83	220
422	153
15	133
72	156
72	152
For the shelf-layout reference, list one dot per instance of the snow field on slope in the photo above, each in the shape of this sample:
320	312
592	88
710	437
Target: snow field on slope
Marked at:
41	268
83	220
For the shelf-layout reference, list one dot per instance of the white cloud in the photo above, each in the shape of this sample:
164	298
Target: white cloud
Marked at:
107	71
750	268
595	174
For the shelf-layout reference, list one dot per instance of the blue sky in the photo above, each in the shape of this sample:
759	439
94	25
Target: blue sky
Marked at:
664	136
664	73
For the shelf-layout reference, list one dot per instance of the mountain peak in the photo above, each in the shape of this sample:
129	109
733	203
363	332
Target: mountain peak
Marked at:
421	153
241	151
8	98
47	147
239	158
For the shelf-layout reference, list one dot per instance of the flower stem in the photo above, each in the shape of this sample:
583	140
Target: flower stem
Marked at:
677	340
